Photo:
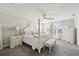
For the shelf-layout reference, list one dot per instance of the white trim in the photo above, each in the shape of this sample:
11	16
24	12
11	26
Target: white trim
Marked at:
1	48
6	45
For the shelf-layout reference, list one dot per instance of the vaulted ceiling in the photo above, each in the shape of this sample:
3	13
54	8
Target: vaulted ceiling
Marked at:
33	11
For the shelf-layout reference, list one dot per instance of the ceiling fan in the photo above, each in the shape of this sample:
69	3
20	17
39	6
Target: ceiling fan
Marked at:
44	17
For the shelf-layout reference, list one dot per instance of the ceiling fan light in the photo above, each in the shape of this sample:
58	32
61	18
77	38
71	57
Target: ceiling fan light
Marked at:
44	20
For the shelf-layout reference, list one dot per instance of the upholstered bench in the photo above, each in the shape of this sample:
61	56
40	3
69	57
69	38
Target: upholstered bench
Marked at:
50	43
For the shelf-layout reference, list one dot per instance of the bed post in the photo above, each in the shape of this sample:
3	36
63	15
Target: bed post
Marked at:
39	31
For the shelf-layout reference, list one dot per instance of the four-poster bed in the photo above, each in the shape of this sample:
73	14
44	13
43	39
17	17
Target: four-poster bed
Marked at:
36	40
39	40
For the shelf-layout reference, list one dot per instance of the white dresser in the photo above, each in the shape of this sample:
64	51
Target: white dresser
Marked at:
15	41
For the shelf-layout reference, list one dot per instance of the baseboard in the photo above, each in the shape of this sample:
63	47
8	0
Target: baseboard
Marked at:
6	45
0	48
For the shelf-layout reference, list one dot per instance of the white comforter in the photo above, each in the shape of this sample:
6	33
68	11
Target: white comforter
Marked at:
34	41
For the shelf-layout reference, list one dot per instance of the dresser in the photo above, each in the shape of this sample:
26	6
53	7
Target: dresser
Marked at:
15	41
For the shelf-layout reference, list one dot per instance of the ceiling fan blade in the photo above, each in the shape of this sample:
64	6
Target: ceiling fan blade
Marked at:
49	18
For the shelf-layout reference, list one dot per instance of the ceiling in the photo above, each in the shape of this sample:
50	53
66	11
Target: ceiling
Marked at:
33	11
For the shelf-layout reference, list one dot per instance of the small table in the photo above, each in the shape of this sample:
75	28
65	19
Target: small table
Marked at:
50	43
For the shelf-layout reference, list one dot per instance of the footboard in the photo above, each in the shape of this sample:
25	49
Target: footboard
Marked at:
35	42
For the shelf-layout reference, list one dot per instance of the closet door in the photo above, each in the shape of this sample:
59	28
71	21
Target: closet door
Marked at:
65	34
71	35
68	35
0	37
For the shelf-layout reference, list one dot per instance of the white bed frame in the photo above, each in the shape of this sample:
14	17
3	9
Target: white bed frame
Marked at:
35	42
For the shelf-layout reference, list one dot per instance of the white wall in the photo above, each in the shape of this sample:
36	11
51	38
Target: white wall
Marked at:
7	22
65	22
0	37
